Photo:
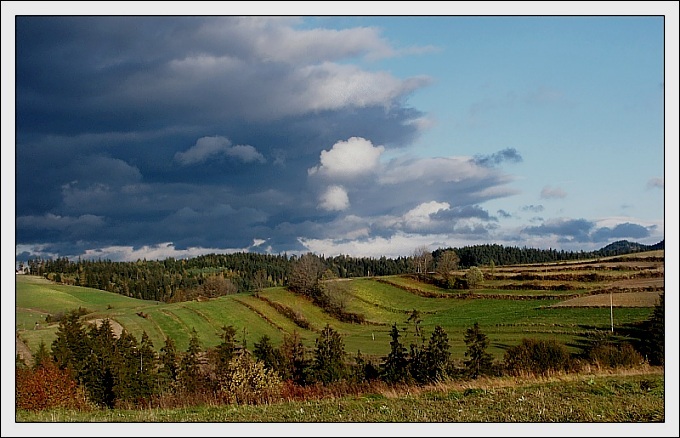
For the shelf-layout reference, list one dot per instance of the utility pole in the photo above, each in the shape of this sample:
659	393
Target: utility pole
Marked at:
611	308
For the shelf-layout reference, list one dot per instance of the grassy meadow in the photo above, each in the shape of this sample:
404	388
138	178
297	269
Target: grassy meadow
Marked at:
531	307
635	397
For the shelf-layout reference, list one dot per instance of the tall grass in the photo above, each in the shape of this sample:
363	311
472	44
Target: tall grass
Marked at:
635	396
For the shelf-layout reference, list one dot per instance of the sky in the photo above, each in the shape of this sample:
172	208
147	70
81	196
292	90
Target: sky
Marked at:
146	137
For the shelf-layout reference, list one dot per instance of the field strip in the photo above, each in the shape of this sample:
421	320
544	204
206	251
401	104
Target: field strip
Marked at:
175	318
387	308
621	299
261	315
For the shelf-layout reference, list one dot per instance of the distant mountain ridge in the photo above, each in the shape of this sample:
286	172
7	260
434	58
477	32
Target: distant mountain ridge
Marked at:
626	247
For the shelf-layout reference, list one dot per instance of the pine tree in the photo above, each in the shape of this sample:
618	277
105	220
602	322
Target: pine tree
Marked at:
148	362
189	371
656	333
224	352
294	359
270	356
168	360
479	362
395	366
70	349
42	356
329	356
437	354
100	371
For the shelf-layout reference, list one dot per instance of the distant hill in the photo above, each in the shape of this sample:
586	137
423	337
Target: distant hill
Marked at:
626	247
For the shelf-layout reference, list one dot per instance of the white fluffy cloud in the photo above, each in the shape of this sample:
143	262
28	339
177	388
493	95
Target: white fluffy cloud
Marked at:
211	147
348	159
334	199
421	215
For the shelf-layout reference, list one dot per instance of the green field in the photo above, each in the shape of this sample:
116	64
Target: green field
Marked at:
505	321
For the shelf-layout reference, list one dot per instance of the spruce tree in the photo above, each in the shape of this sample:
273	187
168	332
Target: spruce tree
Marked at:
168	361
395	365
656	333
329	356
189	372
224	352
70	349
148	361
437	354
479	362
270	356
294	359
42	357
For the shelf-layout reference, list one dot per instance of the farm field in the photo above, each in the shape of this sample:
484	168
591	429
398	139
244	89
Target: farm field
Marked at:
534	305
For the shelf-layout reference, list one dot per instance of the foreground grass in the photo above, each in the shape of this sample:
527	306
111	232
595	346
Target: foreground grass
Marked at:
630	398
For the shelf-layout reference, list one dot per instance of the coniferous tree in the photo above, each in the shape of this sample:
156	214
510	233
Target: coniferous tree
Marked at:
41	357
479	362
437	354
168	371
99	374
148	362
656	333
127	368
224	352
363	370
329	356
70	349
189	370
395	366
294	359
268	354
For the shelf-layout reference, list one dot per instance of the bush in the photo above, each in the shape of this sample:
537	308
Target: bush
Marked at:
615	356
247	381
537	357
47	387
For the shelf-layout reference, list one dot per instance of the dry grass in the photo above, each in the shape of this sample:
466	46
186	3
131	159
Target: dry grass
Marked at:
625	299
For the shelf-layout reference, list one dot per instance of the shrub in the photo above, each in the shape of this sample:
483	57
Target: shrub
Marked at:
247	381
538	357
47	387
614	356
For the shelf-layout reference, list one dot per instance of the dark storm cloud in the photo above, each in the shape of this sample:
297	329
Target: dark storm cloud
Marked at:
621	231
194	130
573	229
218	132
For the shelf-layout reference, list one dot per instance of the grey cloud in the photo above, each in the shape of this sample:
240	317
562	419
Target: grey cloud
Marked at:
576	229
620	231
212	147
532	208
508	154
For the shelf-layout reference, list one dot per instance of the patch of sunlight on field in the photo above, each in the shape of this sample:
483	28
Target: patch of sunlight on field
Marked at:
624	299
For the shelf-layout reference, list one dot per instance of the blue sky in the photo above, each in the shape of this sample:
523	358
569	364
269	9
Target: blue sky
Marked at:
149	137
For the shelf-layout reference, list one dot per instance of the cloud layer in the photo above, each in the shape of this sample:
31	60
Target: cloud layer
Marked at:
172	136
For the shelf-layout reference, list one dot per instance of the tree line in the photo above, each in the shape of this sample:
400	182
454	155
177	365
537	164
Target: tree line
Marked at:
173	280
89	364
